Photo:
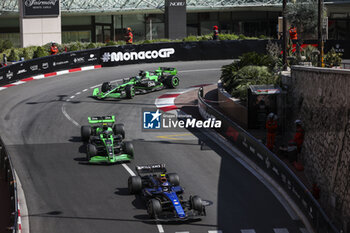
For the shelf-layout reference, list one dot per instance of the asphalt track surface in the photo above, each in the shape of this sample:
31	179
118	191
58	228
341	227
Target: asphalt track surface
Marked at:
65	195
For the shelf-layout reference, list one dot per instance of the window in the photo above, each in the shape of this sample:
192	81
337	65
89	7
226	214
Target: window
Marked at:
71	36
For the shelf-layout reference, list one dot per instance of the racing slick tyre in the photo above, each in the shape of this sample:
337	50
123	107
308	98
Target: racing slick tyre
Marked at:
134	184
106	86
91	151
174	179
154	208
172	81
85	132
130	91
119	129
197	204
128	148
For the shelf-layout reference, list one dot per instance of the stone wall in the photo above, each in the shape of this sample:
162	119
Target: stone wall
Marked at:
320	97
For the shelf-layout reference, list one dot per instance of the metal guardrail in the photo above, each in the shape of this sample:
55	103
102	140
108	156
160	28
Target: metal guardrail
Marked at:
6	169
271	164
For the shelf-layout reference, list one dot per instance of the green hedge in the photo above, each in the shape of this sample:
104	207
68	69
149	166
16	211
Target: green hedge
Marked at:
39	51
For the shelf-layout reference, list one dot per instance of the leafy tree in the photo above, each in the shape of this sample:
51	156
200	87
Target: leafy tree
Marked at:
304	15
13	56
40	52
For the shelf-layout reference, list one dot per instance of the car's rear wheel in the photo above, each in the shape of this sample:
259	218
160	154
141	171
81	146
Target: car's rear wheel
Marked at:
85	132
154	208
128	148
134	184
130	91
174	179
106	86
91	151
197	204
172	81
119	129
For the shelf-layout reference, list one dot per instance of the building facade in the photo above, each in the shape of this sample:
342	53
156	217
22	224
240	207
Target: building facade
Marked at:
89	21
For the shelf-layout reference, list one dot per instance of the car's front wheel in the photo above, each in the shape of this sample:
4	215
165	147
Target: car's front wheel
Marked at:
134	184
130	91
119	129
85	133
154	208
128	148
91	151
197	204
172	81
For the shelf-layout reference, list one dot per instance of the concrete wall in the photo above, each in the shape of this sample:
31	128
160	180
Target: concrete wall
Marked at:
231	107
321	99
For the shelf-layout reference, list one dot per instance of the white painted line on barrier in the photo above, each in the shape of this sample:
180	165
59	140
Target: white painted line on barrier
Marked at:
24	218
62	72
18	82
87	68
215	231
2	88
39	76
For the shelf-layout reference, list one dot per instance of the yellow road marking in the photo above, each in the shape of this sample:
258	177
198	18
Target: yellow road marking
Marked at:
174	136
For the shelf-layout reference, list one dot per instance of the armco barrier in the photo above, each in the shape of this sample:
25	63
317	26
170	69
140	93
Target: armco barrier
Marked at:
6	169
271	164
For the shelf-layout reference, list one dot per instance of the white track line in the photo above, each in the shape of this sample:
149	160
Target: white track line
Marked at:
186	71
128	169
160	228
68	117
85	90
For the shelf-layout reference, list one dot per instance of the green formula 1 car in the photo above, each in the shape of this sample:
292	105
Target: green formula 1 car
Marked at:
146	81
105	142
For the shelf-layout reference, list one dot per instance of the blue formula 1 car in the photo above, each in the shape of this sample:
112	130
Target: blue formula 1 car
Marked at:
164	195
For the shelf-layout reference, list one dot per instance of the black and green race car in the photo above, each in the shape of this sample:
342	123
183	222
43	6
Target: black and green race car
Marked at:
146	81
105	142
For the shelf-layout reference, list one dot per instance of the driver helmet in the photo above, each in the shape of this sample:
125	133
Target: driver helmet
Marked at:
142	73
270	116
298	122
128	29
163	180
215	27
105	128
53	43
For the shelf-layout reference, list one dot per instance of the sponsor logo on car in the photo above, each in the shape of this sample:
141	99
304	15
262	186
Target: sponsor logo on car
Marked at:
45	65
22	71
34	67
79	60
9	74
142	55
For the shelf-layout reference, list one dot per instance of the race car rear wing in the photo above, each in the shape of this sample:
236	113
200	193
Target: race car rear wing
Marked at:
170	70
101	119
150	169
